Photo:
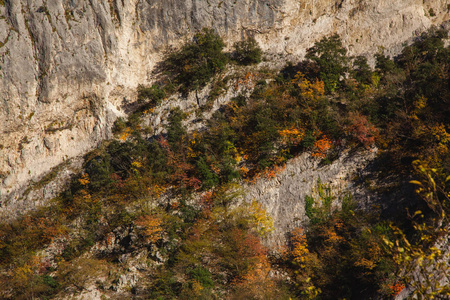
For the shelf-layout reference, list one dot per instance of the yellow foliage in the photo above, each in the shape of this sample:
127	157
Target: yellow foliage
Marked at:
23	275
310	90
231	149
156	190
84	180
262	220
197	288
425	264
440	134
421	103
419	106
368	264
291	136
151	225
300	250
126	133
136	164
195	138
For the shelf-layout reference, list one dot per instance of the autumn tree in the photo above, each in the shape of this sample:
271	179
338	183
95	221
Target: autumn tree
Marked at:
150	226
361	130
422	258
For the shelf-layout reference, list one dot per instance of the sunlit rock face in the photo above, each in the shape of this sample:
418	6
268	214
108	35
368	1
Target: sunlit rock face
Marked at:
70	68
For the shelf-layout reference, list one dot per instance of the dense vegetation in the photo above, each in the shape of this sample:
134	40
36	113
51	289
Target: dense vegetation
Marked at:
177	192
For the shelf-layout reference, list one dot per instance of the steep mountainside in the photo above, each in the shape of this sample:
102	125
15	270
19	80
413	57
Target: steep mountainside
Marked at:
220	170
70	68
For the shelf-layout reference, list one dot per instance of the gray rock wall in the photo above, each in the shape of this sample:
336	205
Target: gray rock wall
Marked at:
69	68
283	197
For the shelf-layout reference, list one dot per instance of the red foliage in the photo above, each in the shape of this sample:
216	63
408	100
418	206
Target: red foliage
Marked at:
118	181
361	129
247	245
206	200
183	171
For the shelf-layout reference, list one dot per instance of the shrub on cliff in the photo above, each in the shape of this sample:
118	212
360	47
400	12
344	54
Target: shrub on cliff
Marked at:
198	61
331	56
247	52
154	94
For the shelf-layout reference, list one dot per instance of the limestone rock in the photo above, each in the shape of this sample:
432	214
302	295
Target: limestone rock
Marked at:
283	197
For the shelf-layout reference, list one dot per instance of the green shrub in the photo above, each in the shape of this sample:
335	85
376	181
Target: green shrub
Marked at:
202	276
240	100
362	72
331	57
77	247
247	52
198	61
119	125
50	281
309	140
384	64
154	93
175	129
100	171
209	178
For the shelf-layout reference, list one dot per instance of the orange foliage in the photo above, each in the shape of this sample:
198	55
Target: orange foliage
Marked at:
207	199
272	172
396	288
321	146
243	171
42	230
267	173
310	90
175	205
151	226
201	229
84	180
183	170
291	136
333	237
248	81
109	238
126	133
149	111
255	278
248	245
300	246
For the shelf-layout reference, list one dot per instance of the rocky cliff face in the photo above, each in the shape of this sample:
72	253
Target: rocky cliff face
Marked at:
69	68
283	196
